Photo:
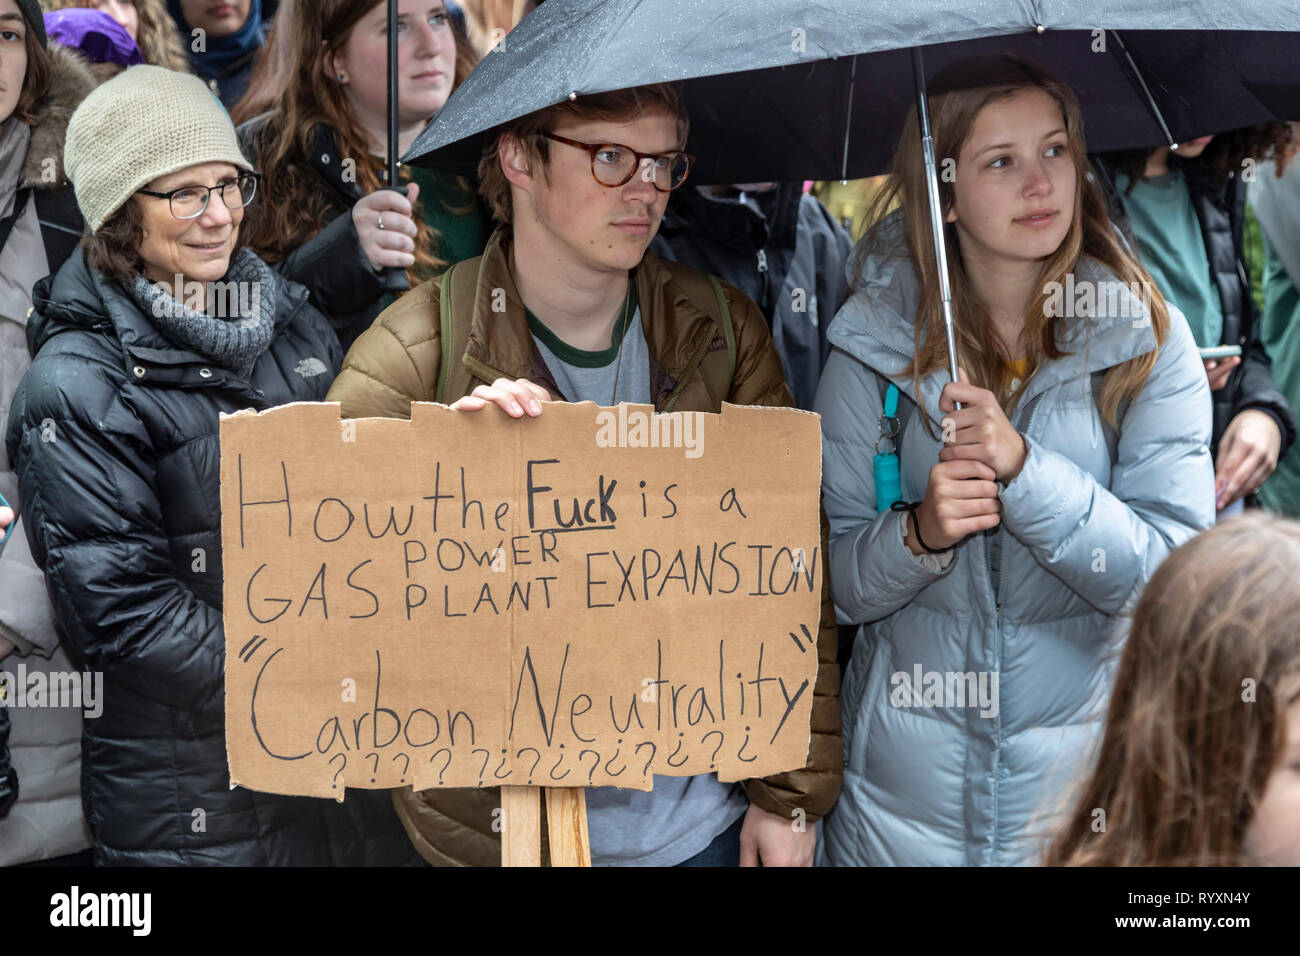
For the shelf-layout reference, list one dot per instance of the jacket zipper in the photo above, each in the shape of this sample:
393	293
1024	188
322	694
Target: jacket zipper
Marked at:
995	560
993	555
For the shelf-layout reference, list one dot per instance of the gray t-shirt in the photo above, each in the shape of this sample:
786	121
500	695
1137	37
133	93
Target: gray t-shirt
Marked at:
681	815
590	376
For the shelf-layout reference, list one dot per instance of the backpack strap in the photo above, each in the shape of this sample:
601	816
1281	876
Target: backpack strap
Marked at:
455	320
61	224
448	334
704	291
21	198
728	330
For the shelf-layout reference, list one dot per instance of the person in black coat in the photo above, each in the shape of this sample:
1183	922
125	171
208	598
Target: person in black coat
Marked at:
40	226
1212	172
316	127
779	246
8	776
114	437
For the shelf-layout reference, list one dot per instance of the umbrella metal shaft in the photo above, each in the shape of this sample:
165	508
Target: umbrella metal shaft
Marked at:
936	212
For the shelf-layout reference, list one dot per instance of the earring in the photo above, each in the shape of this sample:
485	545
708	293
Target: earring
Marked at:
340	77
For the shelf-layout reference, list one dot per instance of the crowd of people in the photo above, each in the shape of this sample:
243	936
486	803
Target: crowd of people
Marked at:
1054	520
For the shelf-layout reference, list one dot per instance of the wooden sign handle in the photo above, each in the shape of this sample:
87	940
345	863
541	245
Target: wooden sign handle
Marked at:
521	826
566	825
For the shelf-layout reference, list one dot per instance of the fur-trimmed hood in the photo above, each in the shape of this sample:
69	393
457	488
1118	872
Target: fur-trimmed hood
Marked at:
71	81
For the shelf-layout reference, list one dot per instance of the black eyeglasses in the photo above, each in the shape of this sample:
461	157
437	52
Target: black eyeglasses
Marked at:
189	202
613	164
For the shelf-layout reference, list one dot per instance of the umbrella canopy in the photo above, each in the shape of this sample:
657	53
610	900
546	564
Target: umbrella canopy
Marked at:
781	90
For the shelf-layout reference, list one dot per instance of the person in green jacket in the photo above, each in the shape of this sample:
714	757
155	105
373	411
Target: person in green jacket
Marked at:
1275	199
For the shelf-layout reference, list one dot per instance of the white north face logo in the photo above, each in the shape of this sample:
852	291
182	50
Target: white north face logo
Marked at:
310	367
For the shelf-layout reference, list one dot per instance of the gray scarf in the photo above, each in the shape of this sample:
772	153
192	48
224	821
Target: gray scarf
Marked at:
244	305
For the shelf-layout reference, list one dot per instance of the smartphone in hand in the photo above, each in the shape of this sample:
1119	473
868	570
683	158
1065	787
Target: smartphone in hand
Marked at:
1220	352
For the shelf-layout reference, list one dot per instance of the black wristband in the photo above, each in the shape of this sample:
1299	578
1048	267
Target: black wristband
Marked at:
910	507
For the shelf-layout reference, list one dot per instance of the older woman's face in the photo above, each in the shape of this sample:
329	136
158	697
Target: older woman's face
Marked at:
13	57
195	249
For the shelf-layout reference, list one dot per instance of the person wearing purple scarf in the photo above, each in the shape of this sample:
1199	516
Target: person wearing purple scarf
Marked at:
222	37
93	34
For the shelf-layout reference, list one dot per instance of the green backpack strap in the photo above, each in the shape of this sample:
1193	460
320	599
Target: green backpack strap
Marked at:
728	330
447	322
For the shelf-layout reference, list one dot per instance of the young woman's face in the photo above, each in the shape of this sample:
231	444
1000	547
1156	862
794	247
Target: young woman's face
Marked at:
1273	834
13	57
426	62
216	18
123	11
1015	181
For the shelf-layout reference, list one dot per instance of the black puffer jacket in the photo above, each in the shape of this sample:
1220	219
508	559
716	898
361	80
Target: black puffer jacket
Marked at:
1221	210
114	435
332	264
786	252
8	779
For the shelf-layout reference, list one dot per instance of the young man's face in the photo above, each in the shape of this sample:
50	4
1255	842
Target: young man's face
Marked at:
606	228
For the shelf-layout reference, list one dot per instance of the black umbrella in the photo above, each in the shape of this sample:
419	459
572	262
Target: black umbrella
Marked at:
781	90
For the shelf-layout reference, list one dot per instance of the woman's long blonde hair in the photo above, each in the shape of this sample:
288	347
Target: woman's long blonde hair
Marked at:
1197	717
957	94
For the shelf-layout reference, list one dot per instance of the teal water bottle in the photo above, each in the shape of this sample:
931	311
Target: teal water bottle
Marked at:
889	485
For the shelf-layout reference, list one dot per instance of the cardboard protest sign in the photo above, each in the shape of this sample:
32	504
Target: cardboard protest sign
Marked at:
461	600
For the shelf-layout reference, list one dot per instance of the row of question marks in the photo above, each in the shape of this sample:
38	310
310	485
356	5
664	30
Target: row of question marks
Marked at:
445	755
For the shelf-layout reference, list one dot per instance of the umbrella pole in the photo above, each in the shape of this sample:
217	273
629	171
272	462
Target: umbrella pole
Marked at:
1136	75
394	280
848	123
936	212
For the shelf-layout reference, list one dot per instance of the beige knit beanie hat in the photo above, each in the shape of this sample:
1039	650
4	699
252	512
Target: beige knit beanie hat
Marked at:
144	123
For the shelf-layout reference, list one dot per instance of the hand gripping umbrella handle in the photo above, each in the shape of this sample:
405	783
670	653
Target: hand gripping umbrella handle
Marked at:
393	279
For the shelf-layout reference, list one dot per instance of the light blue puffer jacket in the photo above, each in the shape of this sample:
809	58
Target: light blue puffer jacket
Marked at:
1038	603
